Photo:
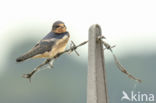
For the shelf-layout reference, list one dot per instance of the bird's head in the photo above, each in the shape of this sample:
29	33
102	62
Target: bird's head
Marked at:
58	27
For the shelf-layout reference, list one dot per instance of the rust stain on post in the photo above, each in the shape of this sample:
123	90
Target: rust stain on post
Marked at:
96	89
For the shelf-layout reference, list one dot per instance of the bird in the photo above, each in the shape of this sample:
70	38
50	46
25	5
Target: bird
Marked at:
52	44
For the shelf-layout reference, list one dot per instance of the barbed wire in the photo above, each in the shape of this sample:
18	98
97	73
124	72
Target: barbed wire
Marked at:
119	66
72	48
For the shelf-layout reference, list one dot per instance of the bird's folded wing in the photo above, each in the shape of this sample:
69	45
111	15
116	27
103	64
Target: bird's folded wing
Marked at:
43	46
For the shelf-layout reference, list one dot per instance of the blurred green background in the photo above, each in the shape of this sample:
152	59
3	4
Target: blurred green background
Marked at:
67	81
130	25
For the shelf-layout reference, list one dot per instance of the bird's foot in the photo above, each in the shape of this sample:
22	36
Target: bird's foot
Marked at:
51	64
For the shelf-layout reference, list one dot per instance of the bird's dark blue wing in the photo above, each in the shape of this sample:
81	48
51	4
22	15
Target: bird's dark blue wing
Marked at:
40	48
45	45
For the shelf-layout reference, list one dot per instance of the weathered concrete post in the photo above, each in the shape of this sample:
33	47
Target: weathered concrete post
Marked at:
96	89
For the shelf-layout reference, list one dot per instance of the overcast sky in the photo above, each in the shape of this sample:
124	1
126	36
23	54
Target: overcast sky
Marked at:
126	23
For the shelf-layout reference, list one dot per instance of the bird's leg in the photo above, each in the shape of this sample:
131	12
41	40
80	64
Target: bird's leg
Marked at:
51	63
29	75
58	54
53	59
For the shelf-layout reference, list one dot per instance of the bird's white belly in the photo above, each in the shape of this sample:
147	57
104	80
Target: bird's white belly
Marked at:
57	48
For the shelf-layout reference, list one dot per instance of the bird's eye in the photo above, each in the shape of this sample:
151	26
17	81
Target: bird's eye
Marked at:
57	26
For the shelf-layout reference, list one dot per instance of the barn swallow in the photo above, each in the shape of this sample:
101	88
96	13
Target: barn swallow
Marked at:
52	44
